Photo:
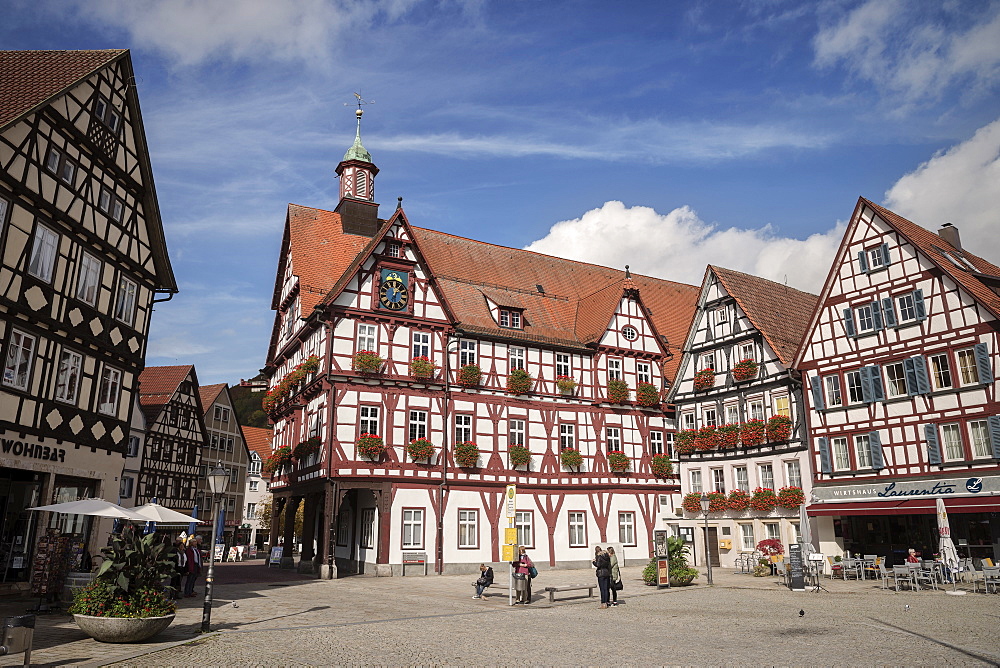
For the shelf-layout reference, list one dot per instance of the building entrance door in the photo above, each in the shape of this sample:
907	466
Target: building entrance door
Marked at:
18	491
712	538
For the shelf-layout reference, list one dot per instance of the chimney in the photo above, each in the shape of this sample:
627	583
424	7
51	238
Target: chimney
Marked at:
949	233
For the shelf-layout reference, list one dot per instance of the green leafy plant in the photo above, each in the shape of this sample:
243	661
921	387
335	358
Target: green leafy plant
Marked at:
277	394
649	572
571	458
646	394
745	370
707	438
618	461
685	441
677	559
467	454
565	383
420	448
422	367
661	466
779	428
752	433
98	599
367	361
519	455
704	379
370	446
692	502
469	375
791	497
617	391
519	381
305	448
716	502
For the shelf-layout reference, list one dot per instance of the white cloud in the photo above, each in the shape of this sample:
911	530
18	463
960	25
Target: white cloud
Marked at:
961	186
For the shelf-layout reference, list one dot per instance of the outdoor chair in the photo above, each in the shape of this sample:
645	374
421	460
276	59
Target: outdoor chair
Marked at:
852	567
988	562
991	577
871	566
835	568
921	576
882	574
973	576
901	574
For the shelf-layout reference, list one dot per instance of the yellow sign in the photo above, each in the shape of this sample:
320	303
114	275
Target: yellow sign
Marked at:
510	536
510	501
507	553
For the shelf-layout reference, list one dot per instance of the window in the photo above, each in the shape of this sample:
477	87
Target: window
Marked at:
524	523
855	393
626	528
125	302
643	372
251	511
656	442
567	436
107	114
614	369
630	333
230	442
866	321
57	163
53	159
68	376
516	429
689	420
418	424
43	253
747	351
863	451
670	445
721	315
88	278
369	420
254	467
878	257
746	537
756	410
104	200
895	380
233	473
344	526
466	352
951	439
781	406
17	366
833	395
766	476
563	366
133	446
577	529
413	528
127	487
421	344
367	338
468	528
841	458
254	485
979	431
740	478
719	480
367	528
393	249
940	371
732	413
696	481
516	358
707	361
110	388
793	473
967	371
614	439
708	417
907	309
463	428
771	530
221	414
510	319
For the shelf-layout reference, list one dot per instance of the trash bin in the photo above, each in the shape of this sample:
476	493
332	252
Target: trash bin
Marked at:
17	635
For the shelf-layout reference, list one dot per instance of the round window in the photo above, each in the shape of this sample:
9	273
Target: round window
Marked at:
630	333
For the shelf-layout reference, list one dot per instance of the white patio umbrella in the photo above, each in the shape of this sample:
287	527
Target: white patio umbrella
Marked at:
946	546
154	512
93	507
805	530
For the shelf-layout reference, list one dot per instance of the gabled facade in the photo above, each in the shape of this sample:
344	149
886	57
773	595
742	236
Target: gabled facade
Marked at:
225	445
735	381
257	491
133	457
901	359
348	284
82	257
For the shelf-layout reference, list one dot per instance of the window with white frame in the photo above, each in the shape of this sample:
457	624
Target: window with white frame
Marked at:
510	318
221	414
855	395
109	391
721	315
251	511
670	445
68	375
466	352
688	420
740	478
524	523
577	529
254	485
765	474
695	476
133	446
747	351
833	394
866	321
613	438
393	249
630	333
796	532
468	528
88	279
413	528
782	406
516	432
708	417
841	456
863	451
463	428
567	436
979	432
772	530
127	487
421	344
793	473
876	258
367	338
418	424
719	480
255	466
614	369
626	528
756	410
643	372
951	440
125	300
967	371
563	365
656	442
895	380
732	413
516	357
747	538
707	361
907	308
940	371
368	423
43	253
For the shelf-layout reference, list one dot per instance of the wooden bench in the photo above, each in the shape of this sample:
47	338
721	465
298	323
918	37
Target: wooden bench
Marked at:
554	590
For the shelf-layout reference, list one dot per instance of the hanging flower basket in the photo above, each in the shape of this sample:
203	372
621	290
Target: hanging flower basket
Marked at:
752	433
467	454
662	466
618	461
729	436
278	460
366	361
519	455
420	448
707	438
617	391
764	499
692	502
791	497
305	448
745	370
519	382
646	395
685	441
779	428
422	367
566	384
704	379
738	500
370	446
469	375
571	458
277	394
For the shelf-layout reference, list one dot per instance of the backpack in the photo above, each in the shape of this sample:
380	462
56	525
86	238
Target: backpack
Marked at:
532	572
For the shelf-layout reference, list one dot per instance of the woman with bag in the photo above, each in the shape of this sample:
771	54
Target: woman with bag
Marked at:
602	562
484	581
616	576
523	569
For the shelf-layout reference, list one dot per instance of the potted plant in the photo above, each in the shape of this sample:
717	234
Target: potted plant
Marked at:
728	436
769	548
617	391
566	384
681	575
649	572
420	449
646	395
519	455
685	441
370	446
277	394
469	375
519	381
738	500
716	502
126	601
305	448
791	497
764	499
618	461
704	379
422	367
571	458
779	428
367	361
467	454
662	466
692	502
752	433
707	438
745	370
279	459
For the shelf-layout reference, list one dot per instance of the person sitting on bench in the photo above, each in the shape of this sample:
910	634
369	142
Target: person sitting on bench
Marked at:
484	581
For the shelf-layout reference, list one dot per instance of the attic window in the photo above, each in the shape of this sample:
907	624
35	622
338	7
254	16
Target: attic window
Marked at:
630	333
393	249
107	114
510	319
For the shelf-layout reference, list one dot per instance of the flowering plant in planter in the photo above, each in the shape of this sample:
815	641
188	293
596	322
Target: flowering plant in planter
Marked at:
704	379
692	502
716	502
310	446
422	367
752	433
618	461
571	458
617	391
420	448
662	466
370	446
764	499
519	381
467	454
469	375
738	500
729	436
279	459
770	547
646	394
367	361
566	384
779	428
791	497
685	441
519	455
745	370
707	438
278	393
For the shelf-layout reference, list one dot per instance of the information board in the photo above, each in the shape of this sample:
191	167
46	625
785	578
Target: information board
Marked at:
660	543
507	552
797	582
510	536
510	501
662	573
276	553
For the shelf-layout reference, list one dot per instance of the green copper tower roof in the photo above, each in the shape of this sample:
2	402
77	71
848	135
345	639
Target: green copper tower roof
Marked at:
357	151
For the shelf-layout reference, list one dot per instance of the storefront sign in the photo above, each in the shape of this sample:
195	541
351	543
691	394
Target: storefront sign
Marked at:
28	450
910	489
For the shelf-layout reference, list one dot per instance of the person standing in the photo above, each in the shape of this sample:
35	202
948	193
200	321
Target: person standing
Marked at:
616	576
193	554
179	557
522	576
602	562
484	581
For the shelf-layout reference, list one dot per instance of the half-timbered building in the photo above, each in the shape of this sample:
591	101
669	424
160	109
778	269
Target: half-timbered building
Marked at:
901	359
82	257
386	334
226	446
741	416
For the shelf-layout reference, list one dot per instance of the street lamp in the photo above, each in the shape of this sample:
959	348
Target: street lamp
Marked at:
453	337
218	481
705	503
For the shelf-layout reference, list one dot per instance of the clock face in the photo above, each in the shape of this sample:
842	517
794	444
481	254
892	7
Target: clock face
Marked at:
393	294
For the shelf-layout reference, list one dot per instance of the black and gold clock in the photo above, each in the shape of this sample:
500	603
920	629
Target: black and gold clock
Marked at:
393	293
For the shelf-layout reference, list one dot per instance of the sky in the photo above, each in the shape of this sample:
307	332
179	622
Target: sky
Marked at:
663	135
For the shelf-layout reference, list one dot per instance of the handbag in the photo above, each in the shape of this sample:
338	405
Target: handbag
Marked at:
532	572
481	581
617	585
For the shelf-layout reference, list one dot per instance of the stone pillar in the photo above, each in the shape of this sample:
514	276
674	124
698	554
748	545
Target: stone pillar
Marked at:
328	562
308	533
277	505
382	501
287	560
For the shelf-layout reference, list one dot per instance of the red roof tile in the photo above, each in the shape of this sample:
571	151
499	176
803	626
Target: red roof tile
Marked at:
157	385
209	393
259	440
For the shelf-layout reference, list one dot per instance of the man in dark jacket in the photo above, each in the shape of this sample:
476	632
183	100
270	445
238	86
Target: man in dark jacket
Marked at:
484	581
602	561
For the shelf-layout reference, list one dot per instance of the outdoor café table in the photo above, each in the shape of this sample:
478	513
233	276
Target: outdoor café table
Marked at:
868	566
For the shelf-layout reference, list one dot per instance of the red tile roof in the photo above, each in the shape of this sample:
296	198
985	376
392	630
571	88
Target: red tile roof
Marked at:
157	384
29	79
259	440
209	393
780	313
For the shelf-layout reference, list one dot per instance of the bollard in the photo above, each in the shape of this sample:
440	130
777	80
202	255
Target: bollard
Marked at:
17	635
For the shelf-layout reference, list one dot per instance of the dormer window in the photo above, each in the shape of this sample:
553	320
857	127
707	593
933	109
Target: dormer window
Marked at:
510	319
393	249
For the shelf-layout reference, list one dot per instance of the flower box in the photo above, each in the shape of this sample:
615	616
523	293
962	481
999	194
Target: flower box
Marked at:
277	394
704	379
716	502
519	381
566	384
738	500
707	438
685	441
752	433
305	448
278	460
420	449
745	370
661	466
469	375
618	461
728	436
617	391
422	367
367	361
764	499
791	497
779	428
519	455
647	395
571	458
467	454
370	446
692	502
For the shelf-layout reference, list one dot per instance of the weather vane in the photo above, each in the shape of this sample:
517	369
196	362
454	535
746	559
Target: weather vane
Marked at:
359	101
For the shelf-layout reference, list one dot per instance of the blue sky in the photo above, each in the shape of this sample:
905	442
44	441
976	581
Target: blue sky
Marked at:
664	135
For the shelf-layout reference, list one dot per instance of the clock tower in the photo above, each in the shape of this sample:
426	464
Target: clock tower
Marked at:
357	208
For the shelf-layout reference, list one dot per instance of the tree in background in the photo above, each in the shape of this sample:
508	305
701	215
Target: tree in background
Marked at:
264	517
246	405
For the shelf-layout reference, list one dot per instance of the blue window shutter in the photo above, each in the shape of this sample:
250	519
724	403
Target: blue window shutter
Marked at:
918	304
983	363
933	447
849	322
910	373
885	254
995	435
825	465
863	261
923	380
875	443
878	393
888	313
877	315
866	385
817	389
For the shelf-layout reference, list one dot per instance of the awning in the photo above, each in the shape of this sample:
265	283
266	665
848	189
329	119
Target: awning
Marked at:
895	506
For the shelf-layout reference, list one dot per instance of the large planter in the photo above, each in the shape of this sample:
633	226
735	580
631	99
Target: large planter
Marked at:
122	629
682	581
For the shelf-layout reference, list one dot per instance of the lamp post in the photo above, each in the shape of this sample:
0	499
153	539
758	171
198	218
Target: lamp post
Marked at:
218	481
705	503
449	339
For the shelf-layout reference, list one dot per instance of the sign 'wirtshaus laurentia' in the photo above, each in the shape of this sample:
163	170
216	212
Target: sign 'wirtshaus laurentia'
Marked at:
967	486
